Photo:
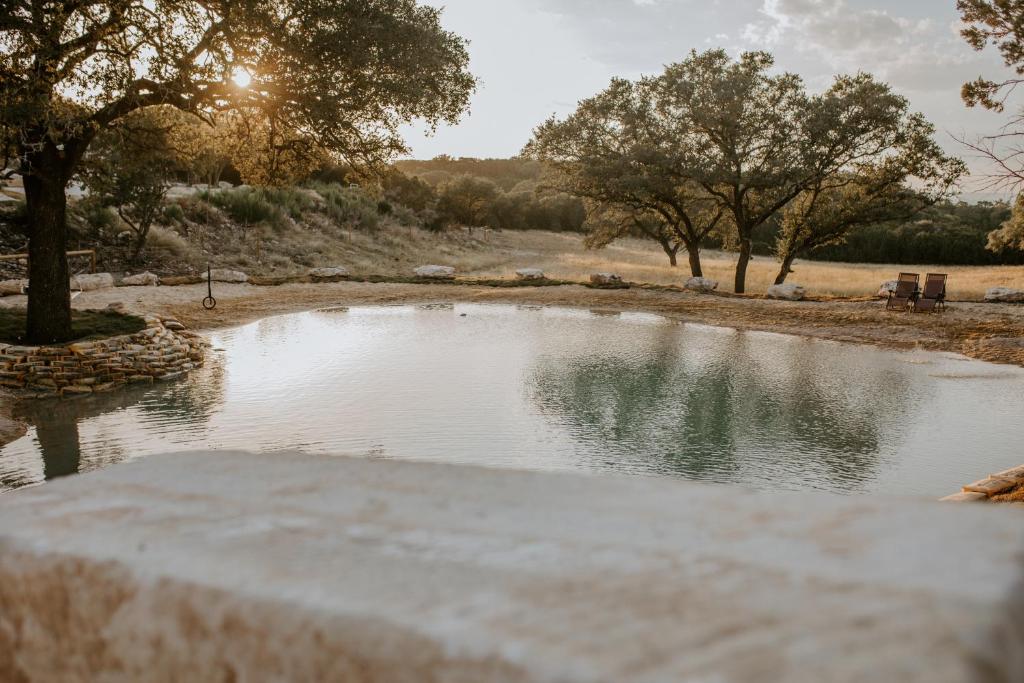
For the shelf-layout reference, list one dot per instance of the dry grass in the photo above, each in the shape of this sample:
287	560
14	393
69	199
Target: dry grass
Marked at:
563	256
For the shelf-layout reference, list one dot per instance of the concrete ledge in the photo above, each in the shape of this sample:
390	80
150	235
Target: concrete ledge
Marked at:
230	566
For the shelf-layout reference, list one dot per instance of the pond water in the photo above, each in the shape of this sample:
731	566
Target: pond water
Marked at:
557	389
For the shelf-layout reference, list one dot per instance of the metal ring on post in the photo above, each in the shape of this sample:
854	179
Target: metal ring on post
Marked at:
209	303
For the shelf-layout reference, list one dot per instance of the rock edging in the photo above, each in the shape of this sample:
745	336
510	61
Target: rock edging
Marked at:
163	350
992	485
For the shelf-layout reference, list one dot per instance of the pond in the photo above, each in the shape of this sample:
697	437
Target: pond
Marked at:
557	389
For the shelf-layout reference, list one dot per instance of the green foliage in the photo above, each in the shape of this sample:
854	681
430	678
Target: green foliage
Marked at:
84	325
1010	234
350	206
716	142
173	213
505	173
475	202
246	205
944	234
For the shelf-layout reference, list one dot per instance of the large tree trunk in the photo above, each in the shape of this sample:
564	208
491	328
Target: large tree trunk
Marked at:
49	293
695	267
785	269
740	284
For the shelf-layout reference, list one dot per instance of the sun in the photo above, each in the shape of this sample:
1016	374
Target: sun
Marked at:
241	77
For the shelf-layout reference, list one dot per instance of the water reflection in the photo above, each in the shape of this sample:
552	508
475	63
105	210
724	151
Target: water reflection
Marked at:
111	419
708	410
556	389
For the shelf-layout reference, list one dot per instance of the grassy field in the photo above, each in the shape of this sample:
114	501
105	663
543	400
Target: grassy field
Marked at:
563	256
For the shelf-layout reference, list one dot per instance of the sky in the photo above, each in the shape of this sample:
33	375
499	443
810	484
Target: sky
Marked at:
535	58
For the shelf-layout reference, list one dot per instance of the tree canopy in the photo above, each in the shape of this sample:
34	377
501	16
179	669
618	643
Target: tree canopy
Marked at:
717	142
345	74
999	23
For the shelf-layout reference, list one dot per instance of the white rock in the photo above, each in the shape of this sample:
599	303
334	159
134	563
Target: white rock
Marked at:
90	281
436	272
186	565
887	288
225	275
529	274
146	279
788	291
1004	295
701	284
9	287
605	278
329	272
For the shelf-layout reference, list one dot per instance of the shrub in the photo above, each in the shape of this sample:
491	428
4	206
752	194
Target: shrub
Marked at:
245	205
173	213
349	206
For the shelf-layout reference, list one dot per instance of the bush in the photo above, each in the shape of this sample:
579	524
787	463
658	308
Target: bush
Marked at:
97	221
246	206
348	206
173	213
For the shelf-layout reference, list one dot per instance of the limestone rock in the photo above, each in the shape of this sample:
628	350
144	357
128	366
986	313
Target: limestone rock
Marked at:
605	279
701	284
146	279
225	275
529	274
88	282
180	567
329	273
11	287
436	272
1004	295
788	291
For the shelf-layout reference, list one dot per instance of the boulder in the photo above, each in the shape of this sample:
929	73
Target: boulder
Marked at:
90	281
329	273
701	284
116	307
605	279
225	275
788	291
1004	295
436	272
9	287
887	288
146	279
529	274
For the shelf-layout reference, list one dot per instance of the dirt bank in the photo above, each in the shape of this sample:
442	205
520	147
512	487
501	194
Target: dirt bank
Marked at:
991	332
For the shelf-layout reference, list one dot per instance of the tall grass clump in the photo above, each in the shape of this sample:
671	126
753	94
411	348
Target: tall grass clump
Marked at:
348	205
246	205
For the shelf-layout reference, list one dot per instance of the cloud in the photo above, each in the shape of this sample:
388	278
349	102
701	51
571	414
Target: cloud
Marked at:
913	54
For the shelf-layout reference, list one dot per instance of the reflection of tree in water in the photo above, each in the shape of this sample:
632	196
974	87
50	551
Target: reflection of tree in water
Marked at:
193	399
735	402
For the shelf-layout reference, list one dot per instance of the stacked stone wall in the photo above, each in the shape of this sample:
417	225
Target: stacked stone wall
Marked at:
82	368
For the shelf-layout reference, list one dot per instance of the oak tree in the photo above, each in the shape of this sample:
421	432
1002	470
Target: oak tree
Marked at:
345	73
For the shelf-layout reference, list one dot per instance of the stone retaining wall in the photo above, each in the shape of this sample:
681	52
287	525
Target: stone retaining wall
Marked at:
83	368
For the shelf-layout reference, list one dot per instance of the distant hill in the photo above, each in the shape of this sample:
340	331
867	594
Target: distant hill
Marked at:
505	173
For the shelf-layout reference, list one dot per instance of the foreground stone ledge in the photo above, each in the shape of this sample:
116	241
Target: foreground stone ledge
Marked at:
231	566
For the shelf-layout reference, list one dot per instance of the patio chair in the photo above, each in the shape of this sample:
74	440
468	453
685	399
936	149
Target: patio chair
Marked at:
933	296
905	292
